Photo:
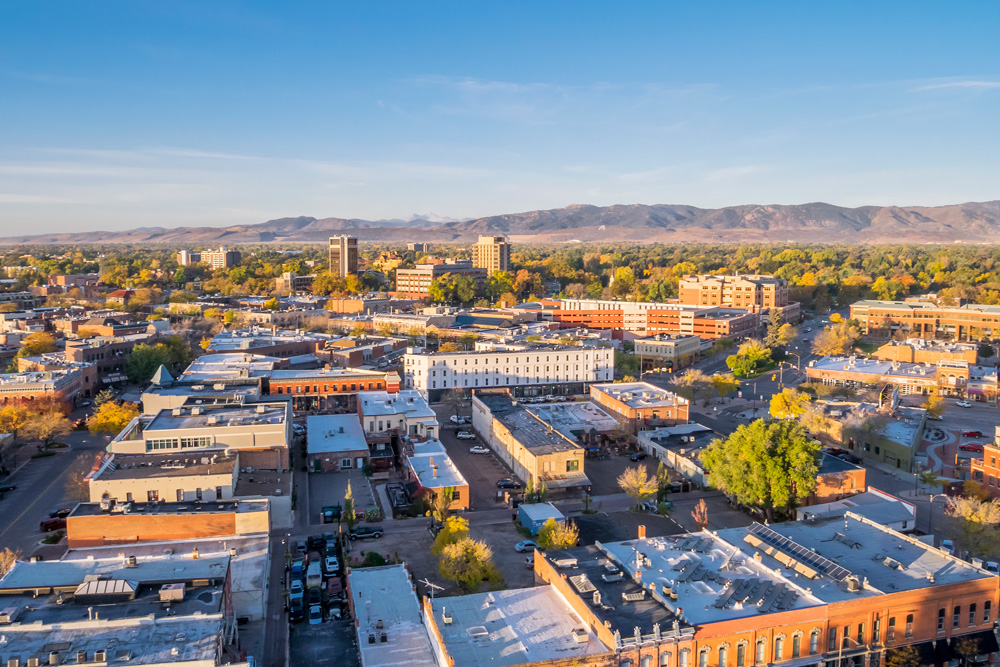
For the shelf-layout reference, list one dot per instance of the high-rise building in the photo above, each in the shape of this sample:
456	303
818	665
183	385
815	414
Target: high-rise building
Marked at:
343	255
491	253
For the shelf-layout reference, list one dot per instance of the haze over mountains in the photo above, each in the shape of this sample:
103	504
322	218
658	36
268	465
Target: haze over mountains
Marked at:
666	223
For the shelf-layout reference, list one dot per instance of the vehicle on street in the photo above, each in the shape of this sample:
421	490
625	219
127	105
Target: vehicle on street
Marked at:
507	483
315	614
295	589
971	447
963	404
455	419
6	488
529	561
850	458
60	513
948	546
331	566
465	435
992	566
638	456
85	404
301	548
80	424
49	525
525	545
972	434
936	418
478	449
366	532
296	610
805	340
298	429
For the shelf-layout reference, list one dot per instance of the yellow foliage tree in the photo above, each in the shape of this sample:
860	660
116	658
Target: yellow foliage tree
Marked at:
112	417
558	535
788	404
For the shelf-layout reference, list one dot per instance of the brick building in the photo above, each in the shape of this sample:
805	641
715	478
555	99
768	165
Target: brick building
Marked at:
324	389
416	282
926	319
641	405
756	293
653	318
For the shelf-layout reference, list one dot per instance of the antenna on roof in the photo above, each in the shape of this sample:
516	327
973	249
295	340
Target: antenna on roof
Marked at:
432	587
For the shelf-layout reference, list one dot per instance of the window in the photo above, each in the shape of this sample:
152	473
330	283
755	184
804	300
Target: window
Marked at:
940	626
128	498
723	656
956	617
152	496
180	495
684	658
909	626
197	494
796	646
572	465
162	443
877	630
779	648
890	633
347	463
203	441
646	661
987	608
760	650
741	655
703	658
814	642
218	493
455	495
861	633
833	640
665	659
845	641
972	614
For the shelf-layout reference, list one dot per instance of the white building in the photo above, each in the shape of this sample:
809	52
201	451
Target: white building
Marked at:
406	413
557	369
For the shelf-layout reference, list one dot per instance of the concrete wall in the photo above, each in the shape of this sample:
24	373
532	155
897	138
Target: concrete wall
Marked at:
165	487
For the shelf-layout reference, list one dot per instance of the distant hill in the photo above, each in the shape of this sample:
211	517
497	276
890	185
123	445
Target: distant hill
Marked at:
667	223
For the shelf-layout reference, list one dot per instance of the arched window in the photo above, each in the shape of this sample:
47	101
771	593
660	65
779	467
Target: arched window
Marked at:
813	642
779	648
741	655
797	645
665	659
703	658
646	661
723	656
685	658
761	648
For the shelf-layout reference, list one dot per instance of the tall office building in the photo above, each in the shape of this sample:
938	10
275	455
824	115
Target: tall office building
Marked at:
491	253
343	255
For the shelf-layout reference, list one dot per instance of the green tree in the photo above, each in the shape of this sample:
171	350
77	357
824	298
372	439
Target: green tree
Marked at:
725	384
770	466
773	337
144	360
272	304
103	397
694	384
637	484
558	535
469	562
751	357
454	530
788	404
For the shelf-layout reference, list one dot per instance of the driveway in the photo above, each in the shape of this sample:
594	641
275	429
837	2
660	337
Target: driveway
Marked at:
329	488
481	471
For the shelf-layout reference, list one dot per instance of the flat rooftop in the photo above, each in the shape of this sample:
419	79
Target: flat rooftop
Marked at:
640	394
530	431
168	509
217	366
335	433
574	418
326	373
154	466
875	507
218	416
513	627
831	465
432	453
386	595
407	402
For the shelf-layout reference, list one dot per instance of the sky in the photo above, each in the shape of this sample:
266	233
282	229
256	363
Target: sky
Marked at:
116	115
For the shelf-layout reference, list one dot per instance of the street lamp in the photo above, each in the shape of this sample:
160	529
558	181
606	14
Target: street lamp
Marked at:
798	360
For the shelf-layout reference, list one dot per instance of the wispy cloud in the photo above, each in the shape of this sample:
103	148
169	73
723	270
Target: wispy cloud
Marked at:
34	199
734	173
963	84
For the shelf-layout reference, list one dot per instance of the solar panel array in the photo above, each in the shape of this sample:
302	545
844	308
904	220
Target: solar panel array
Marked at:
798	552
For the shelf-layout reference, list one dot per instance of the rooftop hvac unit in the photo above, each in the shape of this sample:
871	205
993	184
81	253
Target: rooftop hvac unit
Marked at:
176	412
196	411
197	387
213	420
10	614
261	409
218	387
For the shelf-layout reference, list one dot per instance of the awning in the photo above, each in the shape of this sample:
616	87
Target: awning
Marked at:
975	644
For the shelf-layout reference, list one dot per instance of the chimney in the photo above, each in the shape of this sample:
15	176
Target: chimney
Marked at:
195	554
642	532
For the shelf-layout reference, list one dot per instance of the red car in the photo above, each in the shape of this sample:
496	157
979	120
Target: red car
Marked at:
972	434
971	447
49	525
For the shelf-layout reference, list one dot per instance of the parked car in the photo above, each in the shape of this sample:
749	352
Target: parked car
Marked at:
296	610
315	614
365	532
675	487
850	458
455	419
465	435
334	589
948	546
314	596
972	434
963	404
299	567
834	451
296	590
298	429
525	545
315	543
935	418
638	456
331	549
507	483
479	449
301	548
80	424
61	513
971	447
529	561
5	488
49	525
331	566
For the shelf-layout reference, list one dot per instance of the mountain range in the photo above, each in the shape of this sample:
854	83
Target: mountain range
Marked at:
639	223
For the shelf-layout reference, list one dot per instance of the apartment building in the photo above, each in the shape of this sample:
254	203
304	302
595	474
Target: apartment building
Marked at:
671	351
404	413
335	442
926	319
291	282
655	318
641	405
532	370
416	282
537	452
23	300
839	590
223	258
491	253
756	293
259	432
272	342
343	253
404	323
90	383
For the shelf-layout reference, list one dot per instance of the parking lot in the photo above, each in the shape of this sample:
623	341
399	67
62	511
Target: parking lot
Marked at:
481	471
329	488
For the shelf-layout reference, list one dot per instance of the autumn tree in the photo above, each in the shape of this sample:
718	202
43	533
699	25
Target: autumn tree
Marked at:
441	505
779	332
693	384
104	396
7	559
725	384
112	417
469	562
637	484
700	515
788	404
46	426
751	357
770	466
934	404
558	534
980	523
455	529
36	344
836	339
348	514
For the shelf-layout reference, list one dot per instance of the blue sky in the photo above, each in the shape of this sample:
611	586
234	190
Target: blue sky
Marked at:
122	114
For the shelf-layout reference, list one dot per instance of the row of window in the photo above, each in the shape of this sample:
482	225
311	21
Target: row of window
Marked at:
444	371
172	443
298	389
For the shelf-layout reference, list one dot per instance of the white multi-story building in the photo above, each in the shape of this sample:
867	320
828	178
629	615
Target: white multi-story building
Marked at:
555	369
405	412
